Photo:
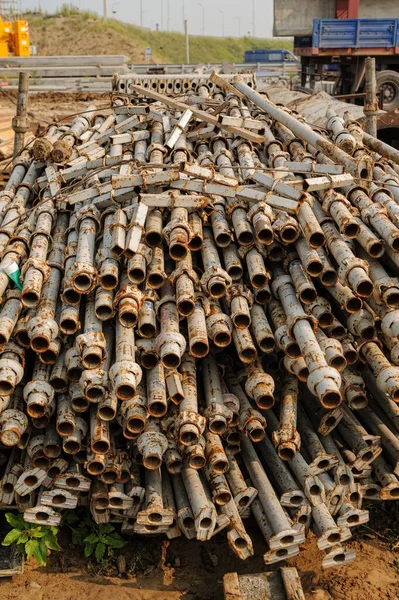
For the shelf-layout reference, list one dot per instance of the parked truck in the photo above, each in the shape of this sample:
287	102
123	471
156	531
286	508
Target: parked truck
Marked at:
333	38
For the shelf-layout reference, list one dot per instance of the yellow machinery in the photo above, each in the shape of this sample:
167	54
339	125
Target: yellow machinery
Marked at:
14	32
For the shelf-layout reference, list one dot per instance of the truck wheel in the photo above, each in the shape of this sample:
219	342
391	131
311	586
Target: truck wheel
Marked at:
388	84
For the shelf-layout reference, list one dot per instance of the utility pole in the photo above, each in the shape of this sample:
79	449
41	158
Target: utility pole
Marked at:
187	42
253	18
141	13
168	19
105	10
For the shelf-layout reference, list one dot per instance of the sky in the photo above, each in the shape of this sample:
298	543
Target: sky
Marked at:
228	17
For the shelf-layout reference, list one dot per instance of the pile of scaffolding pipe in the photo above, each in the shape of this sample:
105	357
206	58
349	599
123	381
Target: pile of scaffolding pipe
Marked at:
208	322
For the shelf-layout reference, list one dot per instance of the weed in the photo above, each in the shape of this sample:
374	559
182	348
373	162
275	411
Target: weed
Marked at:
30	539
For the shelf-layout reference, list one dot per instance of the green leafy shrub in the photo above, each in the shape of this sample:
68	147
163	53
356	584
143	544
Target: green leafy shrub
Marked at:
101	540
30	539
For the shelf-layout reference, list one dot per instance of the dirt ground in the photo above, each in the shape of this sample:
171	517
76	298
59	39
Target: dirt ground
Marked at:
49	107
159	569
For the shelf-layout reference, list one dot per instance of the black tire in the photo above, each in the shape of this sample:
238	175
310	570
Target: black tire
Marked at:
388	84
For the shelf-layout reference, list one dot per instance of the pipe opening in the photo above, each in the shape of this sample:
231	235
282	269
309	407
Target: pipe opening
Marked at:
248	355
329	277
242	321
235	272
80	404
59	499
351	230
42	516
103	312
109	281
288	234
317	239
155	280
95	393
95	467
265	402
315	490
157	409
308	296
331	399
333	538
303	519
175	467
71	297
31	480
257	434
205	523
376	249
339	558
39	343
106	413
82	282
148	360
223	240
101	503
240	543
127	319
188	522
353	519
155	517
199	349
185	308
100	447
153	238
217	290
125	391
286	453
152	462
171	361
365	288
287	540
314	268
338	362
74	373
197	462
135	425
115	501
30	299
53	472
245	238
222	339
296	500
259	280
136	275
109	477
71	447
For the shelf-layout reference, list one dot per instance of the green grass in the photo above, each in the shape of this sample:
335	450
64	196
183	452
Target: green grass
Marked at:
61	34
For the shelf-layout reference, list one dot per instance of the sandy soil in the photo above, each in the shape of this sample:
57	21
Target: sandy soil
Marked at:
157	569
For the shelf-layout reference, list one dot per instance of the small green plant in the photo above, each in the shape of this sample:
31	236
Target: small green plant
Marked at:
30	539
101	541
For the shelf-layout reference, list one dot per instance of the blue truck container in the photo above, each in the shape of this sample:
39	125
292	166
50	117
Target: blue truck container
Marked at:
356	34
270	56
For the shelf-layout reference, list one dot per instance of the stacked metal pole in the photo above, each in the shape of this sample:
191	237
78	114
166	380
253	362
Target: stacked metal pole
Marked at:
199	322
